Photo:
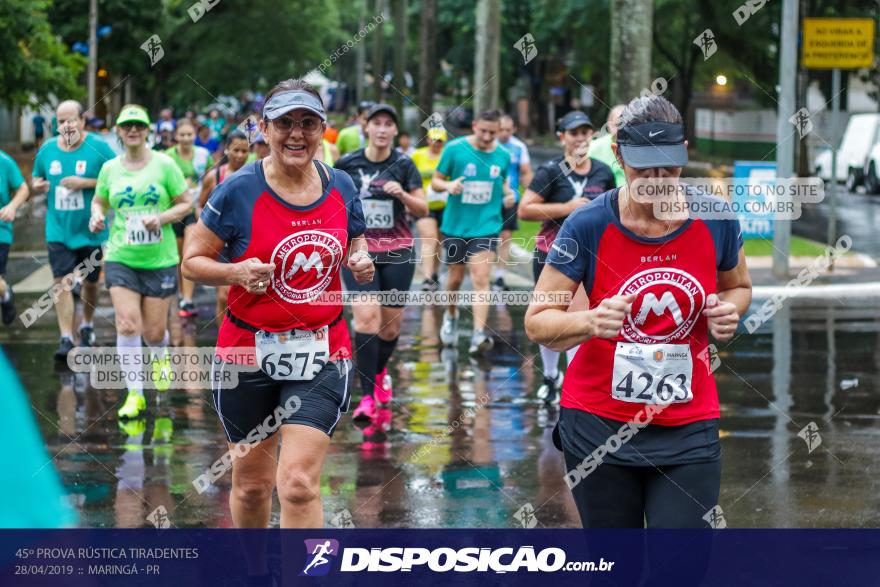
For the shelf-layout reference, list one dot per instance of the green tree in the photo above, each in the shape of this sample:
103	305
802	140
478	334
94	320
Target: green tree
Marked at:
35	63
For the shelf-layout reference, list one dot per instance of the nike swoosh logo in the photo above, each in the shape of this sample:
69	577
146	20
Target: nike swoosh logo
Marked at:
651	135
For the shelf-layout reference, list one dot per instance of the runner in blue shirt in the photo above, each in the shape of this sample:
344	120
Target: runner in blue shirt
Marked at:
519	173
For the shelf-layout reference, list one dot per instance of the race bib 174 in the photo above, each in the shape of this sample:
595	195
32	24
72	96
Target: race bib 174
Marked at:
68	200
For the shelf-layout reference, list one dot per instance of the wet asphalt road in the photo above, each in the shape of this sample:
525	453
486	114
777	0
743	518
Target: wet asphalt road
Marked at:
469	445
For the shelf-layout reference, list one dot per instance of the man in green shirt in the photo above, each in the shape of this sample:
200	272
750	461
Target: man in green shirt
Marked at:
66	169
351	138
600	148
10	180
473	170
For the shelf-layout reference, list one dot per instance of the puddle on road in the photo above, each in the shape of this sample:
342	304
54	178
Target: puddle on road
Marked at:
469	445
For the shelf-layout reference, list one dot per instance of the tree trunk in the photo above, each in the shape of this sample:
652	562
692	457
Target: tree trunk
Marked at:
378	53
630	48
427	56
486	78
361	56
399	81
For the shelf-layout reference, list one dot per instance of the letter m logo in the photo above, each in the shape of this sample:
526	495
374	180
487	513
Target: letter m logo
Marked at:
650	303
301	262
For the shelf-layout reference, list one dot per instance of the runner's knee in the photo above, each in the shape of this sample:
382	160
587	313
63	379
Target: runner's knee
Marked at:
252	493
297	488
128	324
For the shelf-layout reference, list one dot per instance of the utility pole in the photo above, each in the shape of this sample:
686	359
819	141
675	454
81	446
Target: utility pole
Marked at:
93	51
788	36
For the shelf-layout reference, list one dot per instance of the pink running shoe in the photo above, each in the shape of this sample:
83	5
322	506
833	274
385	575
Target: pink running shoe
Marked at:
366	410
383	390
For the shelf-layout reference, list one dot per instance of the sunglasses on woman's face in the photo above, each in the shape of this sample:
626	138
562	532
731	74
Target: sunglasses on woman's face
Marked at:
133	125
309	126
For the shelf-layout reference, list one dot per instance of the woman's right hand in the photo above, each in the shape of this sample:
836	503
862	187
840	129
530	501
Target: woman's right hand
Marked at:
254	275
609	315
96	222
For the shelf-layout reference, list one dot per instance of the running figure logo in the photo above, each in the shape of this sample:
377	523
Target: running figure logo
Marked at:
526	46
153	48
706	42
801	121
366	180
317	552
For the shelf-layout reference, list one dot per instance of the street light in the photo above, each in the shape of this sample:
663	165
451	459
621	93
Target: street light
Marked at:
721	79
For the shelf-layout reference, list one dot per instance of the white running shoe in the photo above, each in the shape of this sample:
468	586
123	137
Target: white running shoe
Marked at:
549	390
480	343
449	329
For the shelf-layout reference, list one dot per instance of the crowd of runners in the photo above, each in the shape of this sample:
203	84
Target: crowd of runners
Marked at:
280	218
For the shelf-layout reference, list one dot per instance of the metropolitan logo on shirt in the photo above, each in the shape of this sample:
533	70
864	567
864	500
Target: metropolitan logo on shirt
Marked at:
668	304
304	265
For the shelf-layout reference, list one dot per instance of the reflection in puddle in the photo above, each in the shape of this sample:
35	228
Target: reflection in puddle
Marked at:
465	443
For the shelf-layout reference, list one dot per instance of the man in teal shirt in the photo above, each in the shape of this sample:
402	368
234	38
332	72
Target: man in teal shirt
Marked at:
473	170
11	181
66	169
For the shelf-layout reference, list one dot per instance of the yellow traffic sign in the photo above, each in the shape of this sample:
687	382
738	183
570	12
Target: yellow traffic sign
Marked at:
838	43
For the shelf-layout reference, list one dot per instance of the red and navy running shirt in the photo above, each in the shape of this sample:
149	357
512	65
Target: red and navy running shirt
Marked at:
671	277
306	243
558	183
386	217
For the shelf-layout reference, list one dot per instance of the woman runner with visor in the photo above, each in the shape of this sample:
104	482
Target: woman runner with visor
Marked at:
278	231
641	380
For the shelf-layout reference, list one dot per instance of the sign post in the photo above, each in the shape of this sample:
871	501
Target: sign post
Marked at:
835	44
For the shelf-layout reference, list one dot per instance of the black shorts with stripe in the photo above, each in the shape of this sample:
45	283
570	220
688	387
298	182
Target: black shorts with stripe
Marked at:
250	410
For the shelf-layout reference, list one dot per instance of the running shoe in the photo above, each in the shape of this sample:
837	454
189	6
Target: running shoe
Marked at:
366	410
480	343
64	346
383	391
7	309
430	284
86	336
134	404
162	371
549	390
163	430
187	309
133	428
449	329
499	285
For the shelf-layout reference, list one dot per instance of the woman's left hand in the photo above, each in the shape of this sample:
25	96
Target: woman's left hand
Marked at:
722	316
361	266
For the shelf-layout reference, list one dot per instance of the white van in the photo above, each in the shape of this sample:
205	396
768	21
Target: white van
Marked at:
862	133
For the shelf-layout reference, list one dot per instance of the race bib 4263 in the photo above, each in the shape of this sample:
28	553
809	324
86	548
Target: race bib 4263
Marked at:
652	373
